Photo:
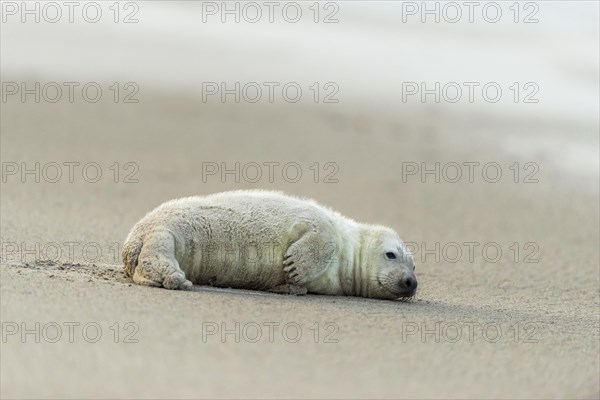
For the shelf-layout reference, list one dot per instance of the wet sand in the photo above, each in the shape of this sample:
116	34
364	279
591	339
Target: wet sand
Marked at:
527	329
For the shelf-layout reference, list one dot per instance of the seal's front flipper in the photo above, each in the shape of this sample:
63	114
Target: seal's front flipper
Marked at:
309	254
286	288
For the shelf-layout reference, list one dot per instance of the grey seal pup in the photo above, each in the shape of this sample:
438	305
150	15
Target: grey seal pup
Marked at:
264	240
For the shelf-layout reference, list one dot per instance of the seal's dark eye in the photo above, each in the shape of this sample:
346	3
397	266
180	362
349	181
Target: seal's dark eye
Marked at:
390	256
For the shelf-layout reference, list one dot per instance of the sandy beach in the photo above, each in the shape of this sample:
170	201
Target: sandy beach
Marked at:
527	329
508	265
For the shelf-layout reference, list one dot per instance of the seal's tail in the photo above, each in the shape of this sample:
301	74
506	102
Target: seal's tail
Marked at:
130	253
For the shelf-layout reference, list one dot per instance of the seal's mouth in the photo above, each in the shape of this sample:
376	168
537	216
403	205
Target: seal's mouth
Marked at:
398	292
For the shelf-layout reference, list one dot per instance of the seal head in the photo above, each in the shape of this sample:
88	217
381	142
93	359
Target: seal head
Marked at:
391	265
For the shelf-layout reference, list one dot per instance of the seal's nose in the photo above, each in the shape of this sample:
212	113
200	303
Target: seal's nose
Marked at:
408	284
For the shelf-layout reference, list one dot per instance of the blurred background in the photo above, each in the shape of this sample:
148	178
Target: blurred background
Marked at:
361	98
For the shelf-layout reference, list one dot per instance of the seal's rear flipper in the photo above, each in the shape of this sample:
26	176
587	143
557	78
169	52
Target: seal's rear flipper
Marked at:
157	265
130	254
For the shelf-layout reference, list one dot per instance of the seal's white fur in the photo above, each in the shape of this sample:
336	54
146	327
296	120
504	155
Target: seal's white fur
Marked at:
266	241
